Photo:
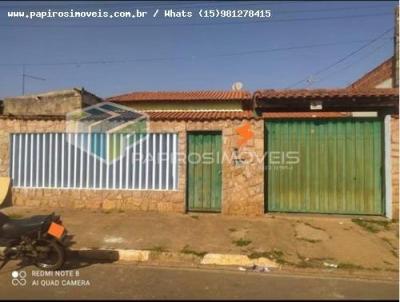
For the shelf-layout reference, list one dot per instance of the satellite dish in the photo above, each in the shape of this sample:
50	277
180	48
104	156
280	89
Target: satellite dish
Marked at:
237	86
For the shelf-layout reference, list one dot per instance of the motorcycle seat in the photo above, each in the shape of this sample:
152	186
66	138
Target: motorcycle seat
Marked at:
15	228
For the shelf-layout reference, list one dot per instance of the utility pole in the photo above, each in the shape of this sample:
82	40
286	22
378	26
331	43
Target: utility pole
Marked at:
24	76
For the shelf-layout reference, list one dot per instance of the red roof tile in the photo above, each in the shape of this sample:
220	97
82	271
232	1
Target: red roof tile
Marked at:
275	115
325	93
182	96
199	115
376	76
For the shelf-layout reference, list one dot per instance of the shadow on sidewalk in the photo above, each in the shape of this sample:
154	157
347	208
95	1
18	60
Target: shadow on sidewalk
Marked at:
74	260
81	259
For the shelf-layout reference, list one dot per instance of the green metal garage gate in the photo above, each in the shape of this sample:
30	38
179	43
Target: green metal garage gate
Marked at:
324	166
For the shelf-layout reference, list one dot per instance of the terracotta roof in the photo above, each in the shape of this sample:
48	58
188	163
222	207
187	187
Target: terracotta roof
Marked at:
273	115
199	115
376	76
325	93
159	116
205	95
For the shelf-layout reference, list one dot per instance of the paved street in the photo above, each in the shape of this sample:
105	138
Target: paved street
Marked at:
140	282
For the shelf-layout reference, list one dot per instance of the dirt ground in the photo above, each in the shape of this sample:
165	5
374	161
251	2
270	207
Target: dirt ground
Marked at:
292	240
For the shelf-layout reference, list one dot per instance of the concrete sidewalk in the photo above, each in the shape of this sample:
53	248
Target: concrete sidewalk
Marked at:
288	241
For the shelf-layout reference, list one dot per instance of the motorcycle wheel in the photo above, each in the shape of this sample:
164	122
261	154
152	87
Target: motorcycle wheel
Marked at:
53	259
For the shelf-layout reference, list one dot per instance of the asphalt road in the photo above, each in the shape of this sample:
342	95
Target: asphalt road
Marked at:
119	281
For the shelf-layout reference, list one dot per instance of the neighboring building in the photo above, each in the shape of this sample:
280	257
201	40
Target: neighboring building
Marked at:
381	76
226	187
50	103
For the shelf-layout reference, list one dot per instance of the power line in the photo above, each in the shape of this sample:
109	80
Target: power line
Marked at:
341	59
326	18
231	54
351	64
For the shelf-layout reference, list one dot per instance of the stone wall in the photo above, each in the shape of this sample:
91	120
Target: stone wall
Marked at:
242	186
395	166
10	125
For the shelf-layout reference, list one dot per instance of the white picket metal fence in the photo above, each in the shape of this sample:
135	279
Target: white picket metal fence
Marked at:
94	161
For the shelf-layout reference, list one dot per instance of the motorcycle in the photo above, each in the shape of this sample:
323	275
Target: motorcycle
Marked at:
38	239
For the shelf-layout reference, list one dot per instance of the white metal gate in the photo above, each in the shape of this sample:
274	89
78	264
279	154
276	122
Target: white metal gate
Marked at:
94	160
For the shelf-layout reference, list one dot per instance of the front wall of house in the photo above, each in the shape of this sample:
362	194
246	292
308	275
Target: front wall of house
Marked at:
242	186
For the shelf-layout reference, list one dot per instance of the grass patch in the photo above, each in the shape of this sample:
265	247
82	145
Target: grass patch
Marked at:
313	226
309	240
387	240
256	255
392	246
312	262
241	242
158	248
373	226
187	250
275	255
365	225
349	266
232	230
16	216
383	223
107	211
306	264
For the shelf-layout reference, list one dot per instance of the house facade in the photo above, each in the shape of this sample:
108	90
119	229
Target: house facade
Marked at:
300	151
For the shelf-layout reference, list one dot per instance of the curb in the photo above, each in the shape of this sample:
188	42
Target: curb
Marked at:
124	255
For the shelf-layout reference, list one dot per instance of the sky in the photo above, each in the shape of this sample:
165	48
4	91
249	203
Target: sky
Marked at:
304	44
